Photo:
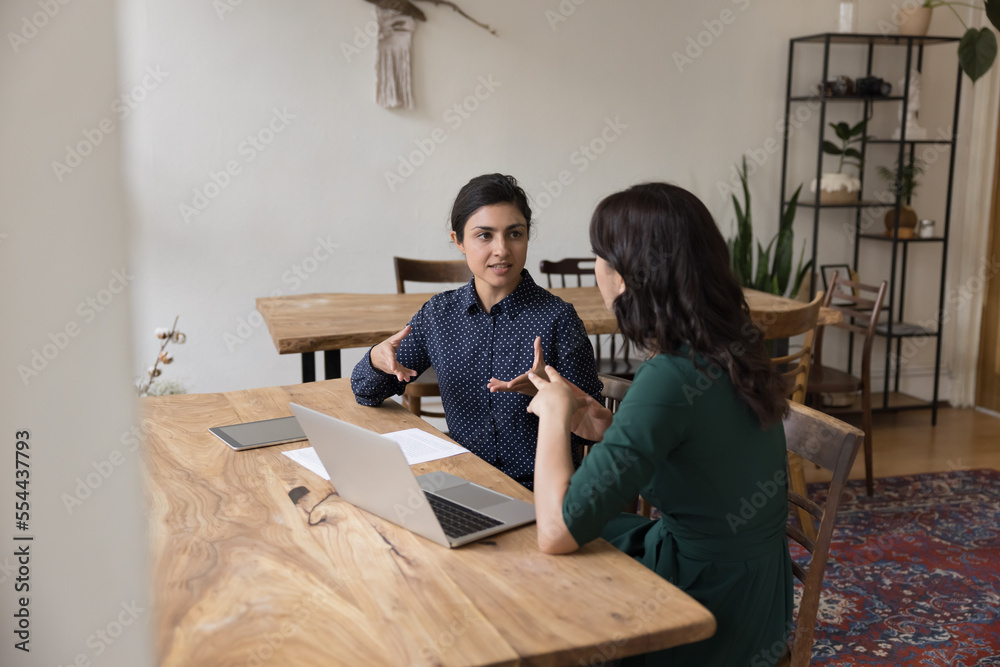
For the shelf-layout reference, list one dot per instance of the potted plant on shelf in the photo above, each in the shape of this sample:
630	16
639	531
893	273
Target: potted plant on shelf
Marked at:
841	188
773	273
978	48
902	182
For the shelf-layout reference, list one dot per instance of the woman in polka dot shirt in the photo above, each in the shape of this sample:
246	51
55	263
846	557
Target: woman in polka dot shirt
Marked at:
483	338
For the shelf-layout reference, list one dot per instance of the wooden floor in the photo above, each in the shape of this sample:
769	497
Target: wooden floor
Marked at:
905	443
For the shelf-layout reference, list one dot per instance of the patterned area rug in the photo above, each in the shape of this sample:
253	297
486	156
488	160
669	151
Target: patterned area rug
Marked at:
914	575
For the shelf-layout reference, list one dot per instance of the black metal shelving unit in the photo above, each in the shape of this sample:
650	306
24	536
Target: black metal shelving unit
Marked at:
895	329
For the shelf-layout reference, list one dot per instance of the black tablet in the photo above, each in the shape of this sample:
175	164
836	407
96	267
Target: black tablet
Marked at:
260	434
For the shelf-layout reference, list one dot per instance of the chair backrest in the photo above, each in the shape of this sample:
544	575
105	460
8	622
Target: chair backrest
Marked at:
430	271
614	390
830	444
861	306
576	269
573	267
794	321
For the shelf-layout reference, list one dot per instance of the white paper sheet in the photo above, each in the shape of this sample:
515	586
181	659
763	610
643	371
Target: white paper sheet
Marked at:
418	447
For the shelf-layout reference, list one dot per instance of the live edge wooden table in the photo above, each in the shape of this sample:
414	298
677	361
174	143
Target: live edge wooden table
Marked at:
256	561
308	323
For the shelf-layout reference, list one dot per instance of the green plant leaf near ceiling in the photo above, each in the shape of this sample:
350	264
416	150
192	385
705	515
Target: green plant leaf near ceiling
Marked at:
977	51
993	11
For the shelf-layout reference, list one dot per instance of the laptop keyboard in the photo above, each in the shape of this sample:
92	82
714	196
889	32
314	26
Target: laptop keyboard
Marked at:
458	520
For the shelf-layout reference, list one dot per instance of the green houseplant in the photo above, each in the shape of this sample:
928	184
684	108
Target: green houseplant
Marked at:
773	273
841	188
978	48
902	182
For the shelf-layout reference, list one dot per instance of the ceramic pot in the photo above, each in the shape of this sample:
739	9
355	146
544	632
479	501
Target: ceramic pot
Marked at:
914	21
837	189
907	222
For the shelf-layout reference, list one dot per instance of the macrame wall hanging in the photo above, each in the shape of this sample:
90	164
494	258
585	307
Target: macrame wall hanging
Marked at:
396	20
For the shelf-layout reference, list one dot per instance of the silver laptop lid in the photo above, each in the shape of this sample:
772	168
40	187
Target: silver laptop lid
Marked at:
370	471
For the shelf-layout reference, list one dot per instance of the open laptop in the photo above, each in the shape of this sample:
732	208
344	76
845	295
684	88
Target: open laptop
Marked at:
370	471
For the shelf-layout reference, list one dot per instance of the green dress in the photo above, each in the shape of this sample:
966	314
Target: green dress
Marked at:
697	452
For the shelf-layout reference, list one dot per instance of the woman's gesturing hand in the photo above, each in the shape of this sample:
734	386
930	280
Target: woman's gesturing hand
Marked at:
521	383
555	398
383	356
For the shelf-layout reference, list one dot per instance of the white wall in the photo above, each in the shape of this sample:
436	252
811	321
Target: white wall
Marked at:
66	364
323	176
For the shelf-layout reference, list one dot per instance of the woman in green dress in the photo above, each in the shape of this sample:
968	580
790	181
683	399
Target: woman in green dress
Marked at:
699	434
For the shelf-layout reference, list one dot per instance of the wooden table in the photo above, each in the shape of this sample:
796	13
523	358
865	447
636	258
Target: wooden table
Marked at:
307	323
255	560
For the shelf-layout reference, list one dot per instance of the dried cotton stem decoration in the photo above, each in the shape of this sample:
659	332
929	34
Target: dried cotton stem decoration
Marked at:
150	386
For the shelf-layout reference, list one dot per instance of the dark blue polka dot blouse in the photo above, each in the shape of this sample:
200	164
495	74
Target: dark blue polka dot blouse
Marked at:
467	346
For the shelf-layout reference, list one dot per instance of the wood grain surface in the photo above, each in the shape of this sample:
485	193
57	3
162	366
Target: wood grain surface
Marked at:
314	322
256	561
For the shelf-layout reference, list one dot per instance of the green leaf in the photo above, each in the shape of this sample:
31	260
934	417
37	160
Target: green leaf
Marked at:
843	130
781	270
853	152
763	259
993	12
859	128
977	51
831	148
800	272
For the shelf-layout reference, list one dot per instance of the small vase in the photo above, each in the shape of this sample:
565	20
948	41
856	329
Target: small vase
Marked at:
914	21
837	189
907	222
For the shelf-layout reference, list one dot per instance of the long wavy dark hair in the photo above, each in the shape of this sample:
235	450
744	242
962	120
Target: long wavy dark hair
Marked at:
679	289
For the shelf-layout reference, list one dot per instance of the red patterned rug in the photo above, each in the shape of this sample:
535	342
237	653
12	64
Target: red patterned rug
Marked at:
914	575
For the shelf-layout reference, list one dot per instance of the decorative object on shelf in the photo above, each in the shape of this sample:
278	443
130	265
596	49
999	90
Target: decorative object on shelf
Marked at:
396	21
838	87
902	182
872	86
772	274
840	188
914	132
925	229
978	48
153	384
848	16
913	19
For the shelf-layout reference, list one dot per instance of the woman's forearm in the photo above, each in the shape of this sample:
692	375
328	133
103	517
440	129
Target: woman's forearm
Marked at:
591	421
553	469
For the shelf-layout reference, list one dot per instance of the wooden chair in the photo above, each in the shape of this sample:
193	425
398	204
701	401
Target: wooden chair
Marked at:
831	444
614	391
579	268
425	271
861	306
795	369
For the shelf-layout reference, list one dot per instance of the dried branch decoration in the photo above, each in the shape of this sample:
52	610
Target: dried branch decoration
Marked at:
396	21
168	336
